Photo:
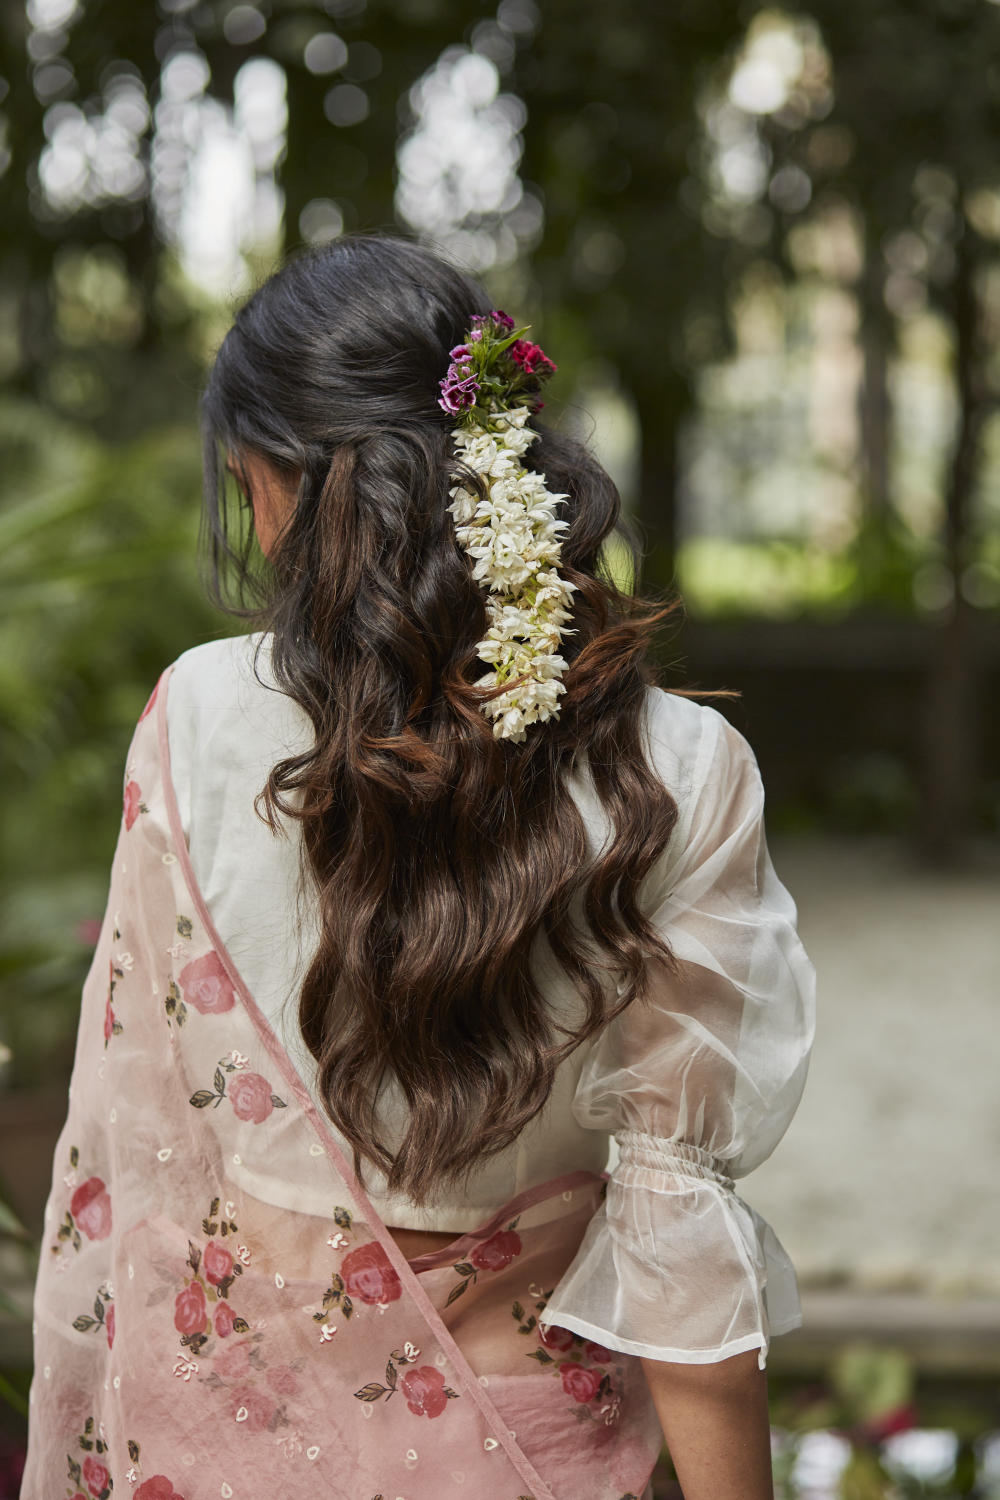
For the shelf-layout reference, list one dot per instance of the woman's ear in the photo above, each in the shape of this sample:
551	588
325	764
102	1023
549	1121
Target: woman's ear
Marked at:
272	492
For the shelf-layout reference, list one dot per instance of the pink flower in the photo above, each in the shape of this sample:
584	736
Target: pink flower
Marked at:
157	1487
190	1311
283	1379
91	1209
496	1252
250	1096
258	1406
234	1360
424	1391
207	985
109	1323
133	796
109	1021
579	1383
554	1337
224	1320
532	359
95	1475
216	1263
370	1275
457	393
597	1353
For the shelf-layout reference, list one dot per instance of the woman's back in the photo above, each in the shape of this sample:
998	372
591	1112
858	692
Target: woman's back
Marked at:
228	725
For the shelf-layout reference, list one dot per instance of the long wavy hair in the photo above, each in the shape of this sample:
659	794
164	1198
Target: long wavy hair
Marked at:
441	856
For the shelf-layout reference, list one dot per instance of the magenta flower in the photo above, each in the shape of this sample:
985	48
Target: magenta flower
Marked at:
457	394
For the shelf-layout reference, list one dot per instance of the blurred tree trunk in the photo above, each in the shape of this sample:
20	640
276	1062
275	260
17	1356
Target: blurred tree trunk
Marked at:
950	710
656	511
875	406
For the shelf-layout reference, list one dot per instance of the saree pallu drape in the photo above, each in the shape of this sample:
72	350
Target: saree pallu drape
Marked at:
197	1335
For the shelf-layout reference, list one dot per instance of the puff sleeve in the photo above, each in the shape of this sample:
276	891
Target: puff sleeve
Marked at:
698	1082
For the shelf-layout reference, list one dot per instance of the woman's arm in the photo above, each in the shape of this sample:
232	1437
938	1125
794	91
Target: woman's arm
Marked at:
715	1420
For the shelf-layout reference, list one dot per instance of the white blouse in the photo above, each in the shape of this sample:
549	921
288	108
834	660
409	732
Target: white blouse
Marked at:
695	1085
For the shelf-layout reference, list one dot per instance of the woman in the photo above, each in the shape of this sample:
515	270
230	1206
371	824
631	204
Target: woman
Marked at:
393	947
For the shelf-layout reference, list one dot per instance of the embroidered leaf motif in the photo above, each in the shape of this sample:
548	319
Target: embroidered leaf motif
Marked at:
456	1292
133	1450
390	1375
194	1256
201	1098
74	1469
463	1268
347	1307
209	1226
452	1395
88	1426
219	1081
513	1223
371	1392
278	1103
74	1157
184	927
342	1218
214	1207
240	1325
517	1312
98	1309
541	1356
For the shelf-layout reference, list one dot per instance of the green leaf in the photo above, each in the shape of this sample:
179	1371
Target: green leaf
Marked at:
456	1292
184	926
83	1322
219	1081
517	1312
371	1392
201	1098
541	1356
214	1207
346	1306
390	1375
463	1268
133	1450
278	1103
74	1157
240	1325
342	1218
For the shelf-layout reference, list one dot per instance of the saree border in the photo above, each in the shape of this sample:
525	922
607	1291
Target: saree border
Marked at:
408	1277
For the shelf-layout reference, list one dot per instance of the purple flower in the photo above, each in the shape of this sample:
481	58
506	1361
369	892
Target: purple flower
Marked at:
502	320
456	394
460	351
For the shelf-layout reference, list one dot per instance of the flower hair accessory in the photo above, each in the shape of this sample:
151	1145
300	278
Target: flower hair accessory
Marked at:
512	536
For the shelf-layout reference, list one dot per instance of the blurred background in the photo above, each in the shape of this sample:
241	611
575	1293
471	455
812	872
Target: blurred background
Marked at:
763	244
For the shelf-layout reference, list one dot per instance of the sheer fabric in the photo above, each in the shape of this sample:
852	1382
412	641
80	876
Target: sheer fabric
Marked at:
698	1083
192	1341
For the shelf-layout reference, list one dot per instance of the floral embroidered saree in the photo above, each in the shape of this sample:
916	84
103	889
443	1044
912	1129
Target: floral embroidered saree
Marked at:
193	1341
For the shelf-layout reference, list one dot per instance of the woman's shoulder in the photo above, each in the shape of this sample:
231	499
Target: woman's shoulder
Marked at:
686	736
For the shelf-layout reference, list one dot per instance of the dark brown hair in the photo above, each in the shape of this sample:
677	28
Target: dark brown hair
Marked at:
442	856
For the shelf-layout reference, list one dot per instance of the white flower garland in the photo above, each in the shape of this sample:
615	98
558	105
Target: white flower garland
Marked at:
513	539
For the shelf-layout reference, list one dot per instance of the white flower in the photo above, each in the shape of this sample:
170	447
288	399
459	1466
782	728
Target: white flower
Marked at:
512	536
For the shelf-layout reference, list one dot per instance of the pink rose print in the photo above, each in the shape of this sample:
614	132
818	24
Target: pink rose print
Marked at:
256	1406
579	1383
95	1475
190	1311
370	1275
109	1022
157	1487
250	1096
284	1380
217	1262
132	803
496	1252
424	1391
224	1320
597	1353
91	1209
559	1339
234	1360
207	985
109	1324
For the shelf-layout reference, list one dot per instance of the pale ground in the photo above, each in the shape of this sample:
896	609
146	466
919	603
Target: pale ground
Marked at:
889	1176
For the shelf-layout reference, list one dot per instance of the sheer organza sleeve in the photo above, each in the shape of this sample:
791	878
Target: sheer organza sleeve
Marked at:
698	1082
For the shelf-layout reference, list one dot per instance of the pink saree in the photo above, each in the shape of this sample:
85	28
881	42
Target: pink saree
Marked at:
193	1341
